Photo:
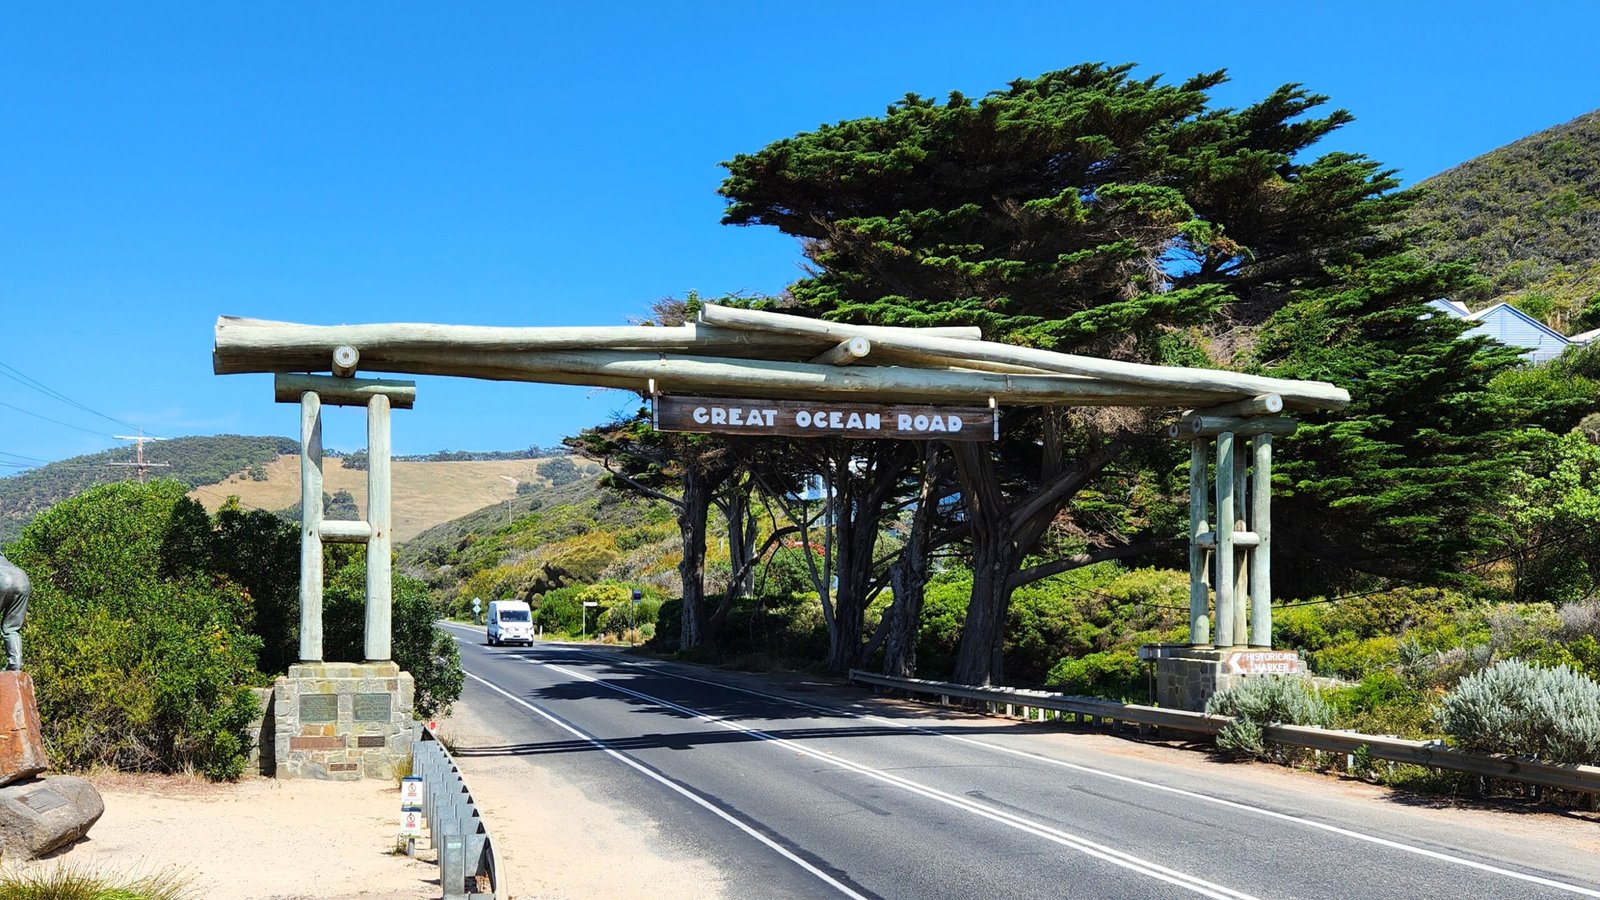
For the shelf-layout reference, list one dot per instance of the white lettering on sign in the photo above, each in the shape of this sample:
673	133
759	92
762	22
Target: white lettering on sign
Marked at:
1266	662
908	422
734	415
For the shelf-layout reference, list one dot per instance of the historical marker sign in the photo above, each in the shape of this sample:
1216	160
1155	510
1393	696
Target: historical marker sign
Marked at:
1265	662
371	707
319	708
794	418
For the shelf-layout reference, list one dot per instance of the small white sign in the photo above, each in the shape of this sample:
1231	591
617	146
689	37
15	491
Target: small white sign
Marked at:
410	823
1265	662
591	603
411	792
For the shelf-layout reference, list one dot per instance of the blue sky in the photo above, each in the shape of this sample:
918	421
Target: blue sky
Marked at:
529	164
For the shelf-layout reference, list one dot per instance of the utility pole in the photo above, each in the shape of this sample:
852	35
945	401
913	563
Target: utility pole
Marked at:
139	465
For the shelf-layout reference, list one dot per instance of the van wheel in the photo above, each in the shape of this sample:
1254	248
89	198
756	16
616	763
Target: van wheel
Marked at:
490	641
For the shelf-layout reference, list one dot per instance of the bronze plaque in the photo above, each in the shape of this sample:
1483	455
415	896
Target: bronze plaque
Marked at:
319	708
42	800
370	740
809	418
372	707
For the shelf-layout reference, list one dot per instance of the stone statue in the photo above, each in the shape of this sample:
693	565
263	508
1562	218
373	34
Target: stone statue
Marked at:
14	591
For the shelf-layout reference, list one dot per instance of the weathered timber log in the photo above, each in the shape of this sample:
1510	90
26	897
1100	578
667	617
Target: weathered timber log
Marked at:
345	360
1209	426
255	345
920	360
335	391
1295	394
787	380
1266	404
845	352
339	531
258	345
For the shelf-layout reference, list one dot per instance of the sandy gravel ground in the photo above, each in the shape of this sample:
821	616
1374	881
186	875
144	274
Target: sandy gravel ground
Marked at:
264	839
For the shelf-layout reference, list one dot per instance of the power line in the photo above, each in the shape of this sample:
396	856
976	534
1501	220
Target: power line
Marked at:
58	421
26	380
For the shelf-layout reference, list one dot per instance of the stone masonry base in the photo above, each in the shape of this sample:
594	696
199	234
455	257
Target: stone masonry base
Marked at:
1187	676
340	721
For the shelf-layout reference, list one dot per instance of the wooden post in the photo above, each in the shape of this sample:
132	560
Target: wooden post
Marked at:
1199	491
379	601
310	527
1224	549
1261	522
1241	554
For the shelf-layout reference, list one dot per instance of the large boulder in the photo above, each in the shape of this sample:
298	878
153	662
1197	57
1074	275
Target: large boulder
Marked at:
41	814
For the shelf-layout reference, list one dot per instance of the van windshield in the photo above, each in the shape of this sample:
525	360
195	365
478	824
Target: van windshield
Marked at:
513	615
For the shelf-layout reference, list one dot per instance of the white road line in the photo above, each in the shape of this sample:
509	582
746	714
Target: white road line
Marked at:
1089	770
676	787
1055	835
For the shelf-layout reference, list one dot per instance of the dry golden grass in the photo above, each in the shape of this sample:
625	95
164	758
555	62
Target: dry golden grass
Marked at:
425	493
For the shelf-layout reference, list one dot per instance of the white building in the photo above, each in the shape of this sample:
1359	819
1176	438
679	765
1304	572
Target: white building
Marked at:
1515	328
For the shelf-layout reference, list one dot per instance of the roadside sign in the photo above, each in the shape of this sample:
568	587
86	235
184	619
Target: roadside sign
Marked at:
1265	662
591	603
410	823
411	792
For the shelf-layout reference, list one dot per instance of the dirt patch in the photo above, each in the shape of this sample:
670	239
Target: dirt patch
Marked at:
256	840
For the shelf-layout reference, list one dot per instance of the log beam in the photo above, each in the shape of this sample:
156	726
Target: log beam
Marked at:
1295	394
1263	405
845	352
336	391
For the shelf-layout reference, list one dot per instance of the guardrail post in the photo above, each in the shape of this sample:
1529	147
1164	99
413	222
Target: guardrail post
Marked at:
452	863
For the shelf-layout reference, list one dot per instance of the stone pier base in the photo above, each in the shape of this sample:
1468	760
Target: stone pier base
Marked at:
1187	676
341	721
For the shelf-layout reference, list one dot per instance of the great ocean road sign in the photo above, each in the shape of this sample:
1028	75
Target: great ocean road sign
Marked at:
794	418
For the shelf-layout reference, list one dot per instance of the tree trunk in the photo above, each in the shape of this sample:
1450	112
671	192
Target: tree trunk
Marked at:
857	517
1003	535
691	571
908	577
741	538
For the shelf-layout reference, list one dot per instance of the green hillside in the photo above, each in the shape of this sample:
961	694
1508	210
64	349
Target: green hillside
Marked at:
1527	217
569	534
193	461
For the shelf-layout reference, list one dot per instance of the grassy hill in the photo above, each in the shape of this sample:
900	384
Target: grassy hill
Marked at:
570	534
1527	217
193	461
425	493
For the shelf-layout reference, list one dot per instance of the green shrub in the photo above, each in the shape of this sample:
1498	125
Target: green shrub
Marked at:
1355	659
944	609
559	611
1383	703
1265	700
1113	674
140	648
1512	707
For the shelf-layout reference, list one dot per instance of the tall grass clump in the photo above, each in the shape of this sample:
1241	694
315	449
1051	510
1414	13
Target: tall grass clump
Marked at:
69	883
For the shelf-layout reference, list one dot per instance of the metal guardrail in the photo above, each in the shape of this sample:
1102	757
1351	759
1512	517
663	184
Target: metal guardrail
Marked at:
465	850
1583	779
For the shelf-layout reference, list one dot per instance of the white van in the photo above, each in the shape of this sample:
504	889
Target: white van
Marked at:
510	622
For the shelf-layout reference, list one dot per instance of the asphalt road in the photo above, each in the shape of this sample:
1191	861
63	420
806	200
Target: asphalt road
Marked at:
798	789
